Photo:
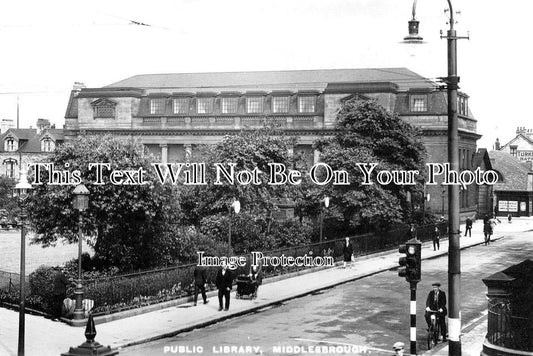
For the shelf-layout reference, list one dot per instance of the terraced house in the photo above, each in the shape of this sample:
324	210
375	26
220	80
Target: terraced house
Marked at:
172	113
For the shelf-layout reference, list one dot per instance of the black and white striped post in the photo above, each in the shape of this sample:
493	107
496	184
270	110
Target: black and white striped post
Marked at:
412	333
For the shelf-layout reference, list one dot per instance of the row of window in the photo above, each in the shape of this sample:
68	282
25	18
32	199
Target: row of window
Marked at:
419	103
11	145
229	105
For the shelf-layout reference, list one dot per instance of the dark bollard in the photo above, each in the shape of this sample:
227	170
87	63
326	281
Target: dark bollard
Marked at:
91	347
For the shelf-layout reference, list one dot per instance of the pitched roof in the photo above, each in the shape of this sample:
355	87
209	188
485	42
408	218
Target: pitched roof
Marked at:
513	171
403	77
31	139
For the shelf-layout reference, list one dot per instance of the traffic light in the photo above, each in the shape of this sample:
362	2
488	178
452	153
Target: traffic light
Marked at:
411	263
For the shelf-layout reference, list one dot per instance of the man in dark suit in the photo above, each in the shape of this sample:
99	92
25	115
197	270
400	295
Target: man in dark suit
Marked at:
347	252
468	228
59	293
224	283
436	301
200	282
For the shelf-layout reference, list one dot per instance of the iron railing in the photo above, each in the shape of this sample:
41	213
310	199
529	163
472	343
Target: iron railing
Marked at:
508	330
147	287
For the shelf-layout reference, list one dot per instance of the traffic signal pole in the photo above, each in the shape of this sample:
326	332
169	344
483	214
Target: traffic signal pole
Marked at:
413	318
411	269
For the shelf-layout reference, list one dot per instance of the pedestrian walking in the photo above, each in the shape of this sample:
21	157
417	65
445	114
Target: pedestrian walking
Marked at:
436	238
200	283
59	293
412	231
224	282
347	252
509	218
468	228
487	230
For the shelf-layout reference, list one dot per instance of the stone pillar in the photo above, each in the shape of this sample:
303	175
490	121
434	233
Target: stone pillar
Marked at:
164	153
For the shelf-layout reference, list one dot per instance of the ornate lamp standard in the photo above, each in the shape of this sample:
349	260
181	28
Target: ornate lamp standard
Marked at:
22	190
80	203
236	207
454	252
325	201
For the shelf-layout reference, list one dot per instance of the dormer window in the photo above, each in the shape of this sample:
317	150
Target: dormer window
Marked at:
254	105
307	104
280	104
229	105
157	106
418	103
204	105
10	144
104	108
47	145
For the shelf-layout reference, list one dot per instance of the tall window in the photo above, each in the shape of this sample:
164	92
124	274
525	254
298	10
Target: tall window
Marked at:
47	145
10	145
254	104
157	106
306	103
418	103
462	106
229	105
514	150
10	168
204	105
180	105
280	104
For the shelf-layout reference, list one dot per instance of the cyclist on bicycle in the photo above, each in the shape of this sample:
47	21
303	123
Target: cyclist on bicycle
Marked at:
436	302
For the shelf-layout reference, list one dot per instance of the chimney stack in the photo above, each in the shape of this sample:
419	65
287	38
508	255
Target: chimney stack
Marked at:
497	145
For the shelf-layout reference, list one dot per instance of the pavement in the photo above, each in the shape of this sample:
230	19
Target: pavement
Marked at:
44	337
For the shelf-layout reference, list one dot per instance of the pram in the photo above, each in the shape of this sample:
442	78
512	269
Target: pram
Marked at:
246	285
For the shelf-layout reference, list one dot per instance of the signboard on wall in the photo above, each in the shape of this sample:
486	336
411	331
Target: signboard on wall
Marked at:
523	206
525	155
508	205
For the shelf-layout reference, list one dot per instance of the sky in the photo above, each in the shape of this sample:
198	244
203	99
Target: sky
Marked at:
47	46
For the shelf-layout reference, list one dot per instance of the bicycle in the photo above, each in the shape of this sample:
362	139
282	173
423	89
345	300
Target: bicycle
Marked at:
434	329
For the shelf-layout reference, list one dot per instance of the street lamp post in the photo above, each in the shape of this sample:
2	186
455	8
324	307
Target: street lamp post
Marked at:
454	252
325	201
236	207
22	188
80	203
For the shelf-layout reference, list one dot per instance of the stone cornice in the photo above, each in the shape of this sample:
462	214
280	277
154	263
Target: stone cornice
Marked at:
217	132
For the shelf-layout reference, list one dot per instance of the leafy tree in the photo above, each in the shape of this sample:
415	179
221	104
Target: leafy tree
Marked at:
208	206
126	224
8	203
367	133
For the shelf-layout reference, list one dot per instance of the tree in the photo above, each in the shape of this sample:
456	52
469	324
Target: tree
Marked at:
208	206
8	203
368	133
126	224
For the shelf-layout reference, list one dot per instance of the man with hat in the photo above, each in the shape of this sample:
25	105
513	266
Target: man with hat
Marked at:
436	301
398	348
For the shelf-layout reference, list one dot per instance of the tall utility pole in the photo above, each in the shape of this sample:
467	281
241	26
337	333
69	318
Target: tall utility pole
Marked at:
454	251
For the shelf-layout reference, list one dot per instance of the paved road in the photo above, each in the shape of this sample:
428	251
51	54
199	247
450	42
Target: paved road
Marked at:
372	312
